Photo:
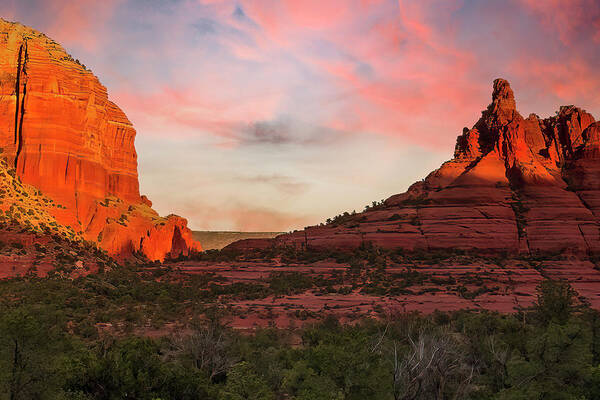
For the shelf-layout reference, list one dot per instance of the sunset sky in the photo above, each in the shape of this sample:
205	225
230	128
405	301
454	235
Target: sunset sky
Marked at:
274	115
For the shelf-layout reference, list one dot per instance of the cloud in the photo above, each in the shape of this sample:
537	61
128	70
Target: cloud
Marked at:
384	67
577	21
565	79
285	131
187	112
376	67
285	184
80	23
265	132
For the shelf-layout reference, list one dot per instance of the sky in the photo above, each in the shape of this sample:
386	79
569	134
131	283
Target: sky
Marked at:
263	115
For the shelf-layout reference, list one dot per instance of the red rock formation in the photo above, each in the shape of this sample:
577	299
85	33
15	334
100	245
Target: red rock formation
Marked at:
63	135
514	185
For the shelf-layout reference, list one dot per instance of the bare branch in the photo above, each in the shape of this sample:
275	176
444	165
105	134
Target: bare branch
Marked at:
434	367
206	348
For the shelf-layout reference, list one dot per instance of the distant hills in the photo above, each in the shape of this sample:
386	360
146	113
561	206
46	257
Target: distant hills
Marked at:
216	240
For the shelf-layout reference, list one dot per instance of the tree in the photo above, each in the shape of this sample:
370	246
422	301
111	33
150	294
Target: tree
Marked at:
26	361
434	367
205	348
556	301
243	383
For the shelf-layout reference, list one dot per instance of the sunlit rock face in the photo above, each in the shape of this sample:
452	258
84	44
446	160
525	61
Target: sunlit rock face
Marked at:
63	135
518	185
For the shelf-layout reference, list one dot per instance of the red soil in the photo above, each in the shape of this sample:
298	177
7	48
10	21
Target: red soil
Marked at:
512	286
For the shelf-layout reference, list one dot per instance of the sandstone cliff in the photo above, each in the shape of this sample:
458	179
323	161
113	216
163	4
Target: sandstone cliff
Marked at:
516	185
63	135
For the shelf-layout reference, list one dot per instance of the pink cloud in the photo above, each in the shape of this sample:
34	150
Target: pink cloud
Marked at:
568	19
415	70
566	79
79	22
73	23
316	14
412	66
181	112
389	65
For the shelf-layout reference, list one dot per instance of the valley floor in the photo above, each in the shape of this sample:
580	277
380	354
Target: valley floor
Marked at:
306	292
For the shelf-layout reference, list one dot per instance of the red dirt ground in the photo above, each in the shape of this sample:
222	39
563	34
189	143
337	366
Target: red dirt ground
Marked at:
510	286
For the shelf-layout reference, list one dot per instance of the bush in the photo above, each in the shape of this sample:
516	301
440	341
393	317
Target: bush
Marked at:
285	283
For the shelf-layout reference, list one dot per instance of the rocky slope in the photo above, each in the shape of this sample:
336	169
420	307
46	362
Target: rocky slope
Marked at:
62	134
516	185
31	239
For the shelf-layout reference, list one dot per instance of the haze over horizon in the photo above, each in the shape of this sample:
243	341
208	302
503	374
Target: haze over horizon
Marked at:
269	116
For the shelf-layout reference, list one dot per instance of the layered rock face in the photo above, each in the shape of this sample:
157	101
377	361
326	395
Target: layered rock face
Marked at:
63	135
517	185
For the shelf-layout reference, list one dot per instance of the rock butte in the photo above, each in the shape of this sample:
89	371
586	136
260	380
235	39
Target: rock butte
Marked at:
516	185
64	136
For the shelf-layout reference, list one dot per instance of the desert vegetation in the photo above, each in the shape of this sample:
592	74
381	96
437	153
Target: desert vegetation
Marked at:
53	348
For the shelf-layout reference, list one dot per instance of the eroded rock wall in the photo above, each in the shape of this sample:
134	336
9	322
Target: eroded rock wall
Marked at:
62	134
